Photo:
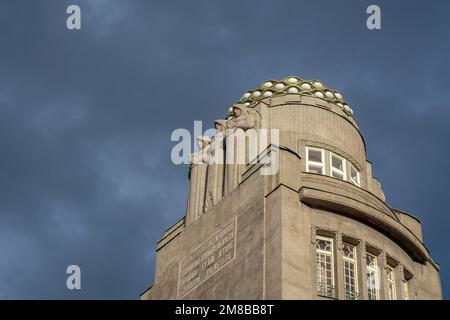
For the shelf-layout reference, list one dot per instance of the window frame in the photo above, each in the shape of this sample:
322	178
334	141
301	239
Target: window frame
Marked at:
344	166
405	290
358	176
332	261
315	163
391	283
327	168
354	261
375	272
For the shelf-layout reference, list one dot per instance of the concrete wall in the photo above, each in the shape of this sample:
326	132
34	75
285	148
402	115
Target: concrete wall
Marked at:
276	220
246	205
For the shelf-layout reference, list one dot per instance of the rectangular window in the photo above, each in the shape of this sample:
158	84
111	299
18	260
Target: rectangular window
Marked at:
372	277
405	290
350	272
337	167
315	160
354	176
407	276
391	283
325	267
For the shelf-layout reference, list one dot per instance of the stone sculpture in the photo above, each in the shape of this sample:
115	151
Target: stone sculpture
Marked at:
243	118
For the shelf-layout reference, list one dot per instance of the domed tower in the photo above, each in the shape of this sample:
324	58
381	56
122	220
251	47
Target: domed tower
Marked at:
315	226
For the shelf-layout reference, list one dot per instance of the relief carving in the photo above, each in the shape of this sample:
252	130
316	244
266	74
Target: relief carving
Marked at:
243	118
221	126
313	235
215	172
197	178
203	155
362	248
339	244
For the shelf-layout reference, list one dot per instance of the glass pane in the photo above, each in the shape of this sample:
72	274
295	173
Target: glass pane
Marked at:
371	285
390	273
350	284
348	251
325	285
315	169
338	175
354	174
370	261
337	163
314	155
391	291
323	245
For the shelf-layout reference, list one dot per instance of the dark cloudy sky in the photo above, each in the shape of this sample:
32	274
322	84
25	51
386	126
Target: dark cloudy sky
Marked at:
86	118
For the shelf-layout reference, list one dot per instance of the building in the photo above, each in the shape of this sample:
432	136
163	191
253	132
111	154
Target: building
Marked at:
317	228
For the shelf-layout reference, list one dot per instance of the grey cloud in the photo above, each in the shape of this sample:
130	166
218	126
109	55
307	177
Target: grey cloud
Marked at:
86	118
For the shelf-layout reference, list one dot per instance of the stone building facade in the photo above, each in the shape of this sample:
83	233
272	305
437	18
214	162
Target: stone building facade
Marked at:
318	227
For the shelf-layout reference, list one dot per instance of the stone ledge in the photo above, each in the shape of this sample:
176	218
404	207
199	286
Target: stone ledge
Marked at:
367	214
346	188
171	233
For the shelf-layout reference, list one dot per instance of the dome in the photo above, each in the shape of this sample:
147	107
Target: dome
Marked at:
295	85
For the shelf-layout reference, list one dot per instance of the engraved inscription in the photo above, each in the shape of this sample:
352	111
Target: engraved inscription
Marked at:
208	258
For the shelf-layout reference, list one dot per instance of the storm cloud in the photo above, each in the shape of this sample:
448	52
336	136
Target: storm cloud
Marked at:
86	118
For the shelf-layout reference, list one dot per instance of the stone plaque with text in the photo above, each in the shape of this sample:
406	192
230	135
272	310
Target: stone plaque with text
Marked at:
208	258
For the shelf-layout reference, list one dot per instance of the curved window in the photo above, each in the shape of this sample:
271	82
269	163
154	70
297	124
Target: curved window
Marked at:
354	176
315	162
335	165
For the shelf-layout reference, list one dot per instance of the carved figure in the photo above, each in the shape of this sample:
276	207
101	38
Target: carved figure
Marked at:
203	155
243	118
